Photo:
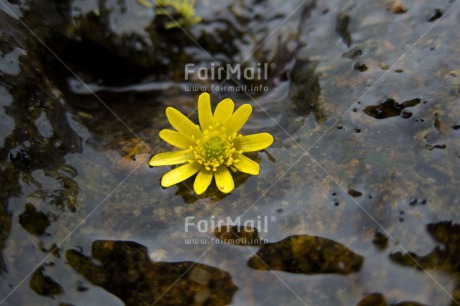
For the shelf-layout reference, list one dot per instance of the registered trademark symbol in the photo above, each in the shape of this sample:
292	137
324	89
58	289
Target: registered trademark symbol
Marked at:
273	66
273	218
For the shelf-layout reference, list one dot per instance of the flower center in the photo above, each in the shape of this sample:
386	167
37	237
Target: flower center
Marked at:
215	148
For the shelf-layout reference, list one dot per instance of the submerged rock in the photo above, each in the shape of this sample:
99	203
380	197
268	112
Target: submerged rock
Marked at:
125	270
373	299
446	258
308	255
378	299
33	221
391	108
44	285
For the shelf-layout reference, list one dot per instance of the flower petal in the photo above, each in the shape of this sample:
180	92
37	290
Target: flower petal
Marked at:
171	158
254	142
224	179
202	181
247	165
181	123
179	174
238	119
176	139
204	111
224	110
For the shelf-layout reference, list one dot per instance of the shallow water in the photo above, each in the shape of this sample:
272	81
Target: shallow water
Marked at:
357	199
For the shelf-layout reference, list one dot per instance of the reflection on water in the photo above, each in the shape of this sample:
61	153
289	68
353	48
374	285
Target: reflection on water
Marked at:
186	192
308	255
124	269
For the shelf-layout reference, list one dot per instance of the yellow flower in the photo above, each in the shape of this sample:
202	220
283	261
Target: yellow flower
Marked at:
210	148
185	9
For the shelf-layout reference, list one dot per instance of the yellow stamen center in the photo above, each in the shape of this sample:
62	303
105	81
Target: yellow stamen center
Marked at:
215	148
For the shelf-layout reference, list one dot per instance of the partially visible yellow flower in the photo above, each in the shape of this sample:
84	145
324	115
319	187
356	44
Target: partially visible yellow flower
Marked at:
210	148
184	8
182	11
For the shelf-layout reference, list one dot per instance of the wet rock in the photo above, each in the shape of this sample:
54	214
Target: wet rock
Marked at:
230	38
124	42
307	255
97	40
114	42
125	270
114	48
36	131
